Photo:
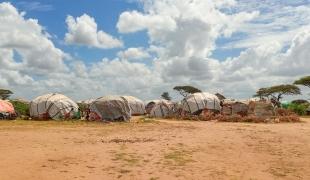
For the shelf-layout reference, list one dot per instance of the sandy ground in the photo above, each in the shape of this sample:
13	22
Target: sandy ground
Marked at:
154	150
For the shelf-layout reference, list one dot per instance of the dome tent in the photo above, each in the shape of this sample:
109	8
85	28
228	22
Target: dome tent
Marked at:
151	104
54	106
110	108
161	110
6	110
135	104
200	101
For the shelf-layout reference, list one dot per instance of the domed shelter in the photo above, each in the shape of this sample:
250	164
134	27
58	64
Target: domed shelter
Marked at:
135	104
110	108
53	106
6	110
151	104
161	109
197	102
234	107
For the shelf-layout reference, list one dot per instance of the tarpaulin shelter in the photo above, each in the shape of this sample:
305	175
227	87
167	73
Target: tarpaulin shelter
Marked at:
6	110
234	107
53	106
161	109
197	102
261	109
110	108
151	104
136	105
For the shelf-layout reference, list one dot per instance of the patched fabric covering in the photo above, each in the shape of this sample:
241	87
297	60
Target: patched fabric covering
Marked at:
161	109
111	108
200	101
55	106
136	105
6	107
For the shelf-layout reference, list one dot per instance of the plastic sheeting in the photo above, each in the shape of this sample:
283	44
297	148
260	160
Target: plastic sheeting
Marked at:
161	109
54	106
110	108
200	101
135	104
151	104
6	107
233	107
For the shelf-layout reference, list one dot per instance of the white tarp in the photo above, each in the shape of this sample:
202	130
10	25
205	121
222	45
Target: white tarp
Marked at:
161	109
151	104
111	108
137	106
55	106
200	101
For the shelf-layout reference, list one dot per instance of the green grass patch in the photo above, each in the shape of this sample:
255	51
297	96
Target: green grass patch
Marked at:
127	158
178	157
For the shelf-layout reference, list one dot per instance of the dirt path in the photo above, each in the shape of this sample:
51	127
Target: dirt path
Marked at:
163	150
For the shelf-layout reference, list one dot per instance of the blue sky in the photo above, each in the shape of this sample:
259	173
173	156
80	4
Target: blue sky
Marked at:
145	47
52	14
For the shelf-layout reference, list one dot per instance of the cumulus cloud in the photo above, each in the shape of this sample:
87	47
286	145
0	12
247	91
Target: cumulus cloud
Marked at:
134	54
27	38
182	36
83	31
184	28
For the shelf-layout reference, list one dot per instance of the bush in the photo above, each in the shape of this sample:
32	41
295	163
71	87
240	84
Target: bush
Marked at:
290	118
300	109
21	108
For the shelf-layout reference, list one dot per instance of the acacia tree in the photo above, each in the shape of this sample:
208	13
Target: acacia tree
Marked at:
166	96
304	81
220	96
4	93
186	90
276	93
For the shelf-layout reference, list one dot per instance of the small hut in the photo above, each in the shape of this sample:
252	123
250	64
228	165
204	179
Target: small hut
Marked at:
53	106
110	108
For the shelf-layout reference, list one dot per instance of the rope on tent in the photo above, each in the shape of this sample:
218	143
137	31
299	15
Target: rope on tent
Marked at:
162	111
188	105
205	101
196	102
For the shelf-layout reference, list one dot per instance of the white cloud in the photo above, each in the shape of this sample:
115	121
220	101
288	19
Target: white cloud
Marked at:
83	31
134	54
27	38
278	21
186	28
183	40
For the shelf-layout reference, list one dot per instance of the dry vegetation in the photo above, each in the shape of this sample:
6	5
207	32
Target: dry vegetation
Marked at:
153	149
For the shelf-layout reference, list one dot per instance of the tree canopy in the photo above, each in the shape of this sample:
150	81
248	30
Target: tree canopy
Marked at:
220	96
4	93
277	92
186	90
305	81
166	96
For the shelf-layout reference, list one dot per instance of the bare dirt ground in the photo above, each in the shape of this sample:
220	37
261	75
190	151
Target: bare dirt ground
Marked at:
156	150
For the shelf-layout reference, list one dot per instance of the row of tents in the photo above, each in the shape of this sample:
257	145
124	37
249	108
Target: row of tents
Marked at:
112	108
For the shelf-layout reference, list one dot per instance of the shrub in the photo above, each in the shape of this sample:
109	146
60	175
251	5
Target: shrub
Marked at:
290	118
21	108
300	109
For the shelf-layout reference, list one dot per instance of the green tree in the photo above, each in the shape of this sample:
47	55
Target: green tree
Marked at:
21	108
5	94
166	96
304	81
186	90
220	96
276	93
